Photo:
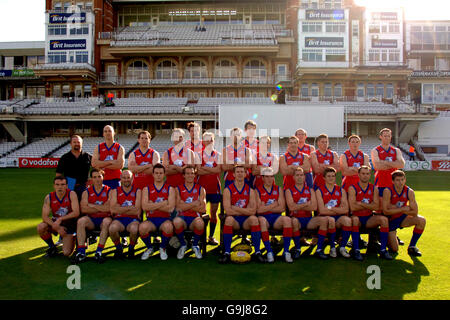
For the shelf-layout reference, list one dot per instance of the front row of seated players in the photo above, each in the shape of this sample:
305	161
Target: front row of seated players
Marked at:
114	211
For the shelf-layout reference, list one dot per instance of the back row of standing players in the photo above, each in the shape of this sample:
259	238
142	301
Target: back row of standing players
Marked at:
309	184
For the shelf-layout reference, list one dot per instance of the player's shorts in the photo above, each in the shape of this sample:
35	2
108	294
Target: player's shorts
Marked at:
188	220
158	221
271	218
240	220
309	179
363	220
70	225
397	222
126	220
97	222
304	222
214	197
336	218
113	183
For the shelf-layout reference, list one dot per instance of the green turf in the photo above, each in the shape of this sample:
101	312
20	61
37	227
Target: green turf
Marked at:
26	274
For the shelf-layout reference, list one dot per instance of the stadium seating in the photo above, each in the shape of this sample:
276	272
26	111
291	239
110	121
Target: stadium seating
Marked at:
39	148
7	147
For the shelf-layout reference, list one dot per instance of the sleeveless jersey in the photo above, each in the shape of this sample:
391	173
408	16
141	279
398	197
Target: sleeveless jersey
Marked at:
126	200
306	149
383	178
364	196
399	200
211	182
263	161
301	197
331	198
189	196
196	148
98	199
106	154
235	156
142	180
326	159
268	197
60	207
297	160
179	159
352	161
240	198
156	196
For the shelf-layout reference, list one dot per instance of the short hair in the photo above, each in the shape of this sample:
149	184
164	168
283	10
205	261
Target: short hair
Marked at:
301	129
249	123
238	166
181	131
189	167
97	170
144	132
59	178
265	138
354	136
192	124
236	129
321	136
293	138
209	134
397	173
75	136
385	130
299	169
329	169
364	167
131	173
158	166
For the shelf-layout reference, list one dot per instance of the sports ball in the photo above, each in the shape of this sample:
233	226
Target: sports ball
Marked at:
174	242
240	257
243	247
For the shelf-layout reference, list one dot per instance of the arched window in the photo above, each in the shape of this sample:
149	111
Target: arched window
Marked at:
195	69
137	72
166	70
225	69
255	70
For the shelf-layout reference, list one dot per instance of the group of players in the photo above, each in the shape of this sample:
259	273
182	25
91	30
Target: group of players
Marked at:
174	193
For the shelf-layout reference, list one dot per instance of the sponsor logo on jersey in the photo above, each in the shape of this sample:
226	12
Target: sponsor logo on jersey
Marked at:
332	203
127	203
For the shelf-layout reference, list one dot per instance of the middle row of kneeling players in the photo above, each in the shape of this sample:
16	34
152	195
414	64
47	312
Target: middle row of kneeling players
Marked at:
256	210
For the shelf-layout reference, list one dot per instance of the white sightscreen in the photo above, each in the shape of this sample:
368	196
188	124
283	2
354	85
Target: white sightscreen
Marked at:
286	118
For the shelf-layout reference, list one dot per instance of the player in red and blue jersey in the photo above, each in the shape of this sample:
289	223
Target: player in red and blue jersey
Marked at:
363	199
142	160
400	206
323	158
95	206
209	178
264	159
291	160
239	201
59	213
158	200
176	158
191	205
332	202
351	160
301	201
270	204
110	157
252	144
126	210
305	148
195	142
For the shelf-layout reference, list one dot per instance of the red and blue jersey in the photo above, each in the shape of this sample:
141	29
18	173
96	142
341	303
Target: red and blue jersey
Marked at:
364	196
142	180
307	149
383	178
239	198
107	154
253	147
178	159
326	159
126	199
99	198
263	161
352	161
60	207
158	195
211	182
196	148
300	197
296	160
331	198
189	196
399	200
234	156
268	197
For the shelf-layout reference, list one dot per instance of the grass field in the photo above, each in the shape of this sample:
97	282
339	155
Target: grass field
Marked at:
26	274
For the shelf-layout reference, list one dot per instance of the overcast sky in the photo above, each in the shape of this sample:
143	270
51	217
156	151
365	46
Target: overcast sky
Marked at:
23	20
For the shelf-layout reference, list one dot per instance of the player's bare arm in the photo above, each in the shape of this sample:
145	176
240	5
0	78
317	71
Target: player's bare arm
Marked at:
346	170
388	209
413	207
377	163
183	206
229	211
323	211
46	211
119	162
97	163
292	205
202	199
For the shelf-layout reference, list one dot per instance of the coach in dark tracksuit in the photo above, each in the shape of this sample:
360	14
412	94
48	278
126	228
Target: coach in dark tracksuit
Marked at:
75	166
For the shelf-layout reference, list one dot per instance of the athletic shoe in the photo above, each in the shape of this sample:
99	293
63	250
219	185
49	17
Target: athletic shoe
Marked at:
212	241
287	257
320	254
297	254
119	254
78	258
400	242
385	255
343	252
147	253
357	255
181	251
99	257
163	254
414	252
259	258
304	242
333	252
124	242
225	258
270	258
51	252
197	251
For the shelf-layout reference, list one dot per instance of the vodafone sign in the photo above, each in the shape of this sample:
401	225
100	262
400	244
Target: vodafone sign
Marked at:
38	162
441	165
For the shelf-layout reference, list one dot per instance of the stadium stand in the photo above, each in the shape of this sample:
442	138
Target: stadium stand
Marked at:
8	147
39	148
62	106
